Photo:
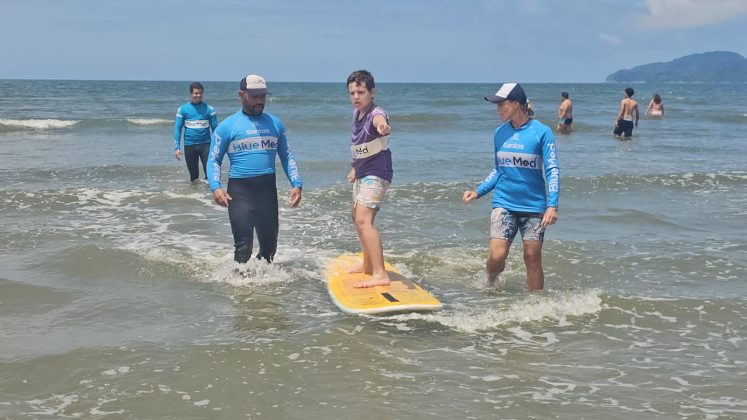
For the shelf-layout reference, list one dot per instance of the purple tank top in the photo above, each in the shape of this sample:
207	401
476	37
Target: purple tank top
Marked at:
369	157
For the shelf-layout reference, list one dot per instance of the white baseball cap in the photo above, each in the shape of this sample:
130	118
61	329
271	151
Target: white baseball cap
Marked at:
254	84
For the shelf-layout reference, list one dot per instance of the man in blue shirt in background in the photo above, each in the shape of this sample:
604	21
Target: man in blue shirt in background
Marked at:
197	118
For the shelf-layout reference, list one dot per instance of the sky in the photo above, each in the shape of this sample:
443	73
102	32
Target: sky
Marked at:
460	41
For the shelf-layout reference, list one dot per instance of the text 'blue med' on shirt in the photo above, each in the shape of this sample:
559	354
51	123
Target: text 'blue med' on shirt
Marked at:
526	177
252	143
197	120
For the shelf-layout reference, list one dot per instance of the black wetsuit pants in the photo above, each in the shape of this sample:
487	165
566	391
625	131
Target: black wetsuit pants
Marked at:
253	206
192	155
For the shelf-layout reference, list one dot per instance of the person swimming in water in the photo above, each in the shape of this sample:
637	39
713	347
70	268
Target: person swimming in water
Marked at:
655	107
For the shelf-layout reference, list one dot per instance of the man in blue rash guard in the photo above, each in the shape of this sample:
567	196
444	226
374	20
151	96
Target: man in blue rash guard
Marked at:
525	184
197	118
252	139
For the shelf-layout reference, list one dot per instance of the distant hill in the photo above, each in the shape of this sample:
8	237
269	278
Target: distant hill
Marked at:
717	66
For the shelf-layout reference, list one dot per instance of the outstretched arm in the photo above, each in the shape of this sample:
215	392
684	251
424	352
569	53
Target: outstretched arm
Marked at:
381	125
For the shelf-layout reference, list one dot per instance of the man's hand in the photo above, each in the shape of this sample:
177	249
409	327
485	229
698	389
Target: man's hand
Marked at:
222	198
294	197
351	175
178	154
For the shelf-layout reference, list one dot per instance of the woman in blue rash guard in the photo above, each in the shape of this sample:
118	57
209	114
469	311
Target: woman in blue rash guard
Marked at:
525	184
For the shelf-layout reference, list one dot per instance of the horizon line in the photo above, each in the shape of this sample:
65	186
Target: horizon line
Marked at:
341	82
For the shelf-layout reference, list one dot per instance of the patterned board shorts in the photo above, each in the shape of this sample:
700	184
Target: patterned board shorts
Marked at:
504	225
370	191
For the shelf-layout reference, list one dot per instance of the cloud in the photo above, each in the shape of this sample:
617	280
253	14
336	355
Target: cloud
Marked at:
672	14
611	39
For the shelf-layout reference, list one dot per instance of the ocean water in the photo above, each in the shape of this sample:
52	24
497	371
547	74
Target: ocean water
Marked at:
118	297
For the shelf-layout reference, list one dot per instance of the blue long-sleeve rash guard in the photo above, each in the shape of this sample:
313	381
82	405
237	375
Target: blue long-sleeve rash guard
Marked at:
526	177
251	142
197	120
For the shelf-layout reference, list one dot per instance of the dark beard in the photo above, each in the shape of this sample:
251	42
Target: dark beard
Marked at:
253	111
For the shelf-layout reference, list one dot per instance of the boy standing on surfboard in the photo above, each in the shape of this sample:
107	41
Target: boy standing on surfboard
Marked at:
371	173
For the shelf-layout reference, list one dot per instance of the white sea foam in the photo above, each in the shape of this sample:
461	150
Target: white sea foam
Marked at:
51	406
151	236
253	273
557	307
663	317
116	371
202	197
149	121
96	411
39	124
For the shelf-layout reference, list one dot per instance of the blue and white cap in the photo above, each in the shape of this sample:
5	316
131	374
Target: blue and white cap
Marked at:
508	92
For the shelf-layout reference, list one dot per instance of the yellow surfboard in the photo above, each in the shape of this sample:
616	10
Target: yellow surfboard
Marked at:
401	295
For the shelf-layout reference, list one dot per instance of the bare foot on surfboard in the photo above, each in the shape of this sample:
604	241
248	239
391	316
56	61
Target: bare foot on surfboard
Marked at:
358	268
375	281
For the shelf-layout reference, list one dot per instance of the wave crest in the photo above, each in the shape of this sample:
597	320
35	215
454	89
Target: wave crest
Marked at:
39	124
149	121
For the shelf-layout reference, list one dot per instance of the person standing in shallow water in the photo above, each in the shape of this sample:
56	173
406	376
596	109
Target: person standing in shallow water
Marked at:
371	173
565	114
525	184
197	119
625	117
252	139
